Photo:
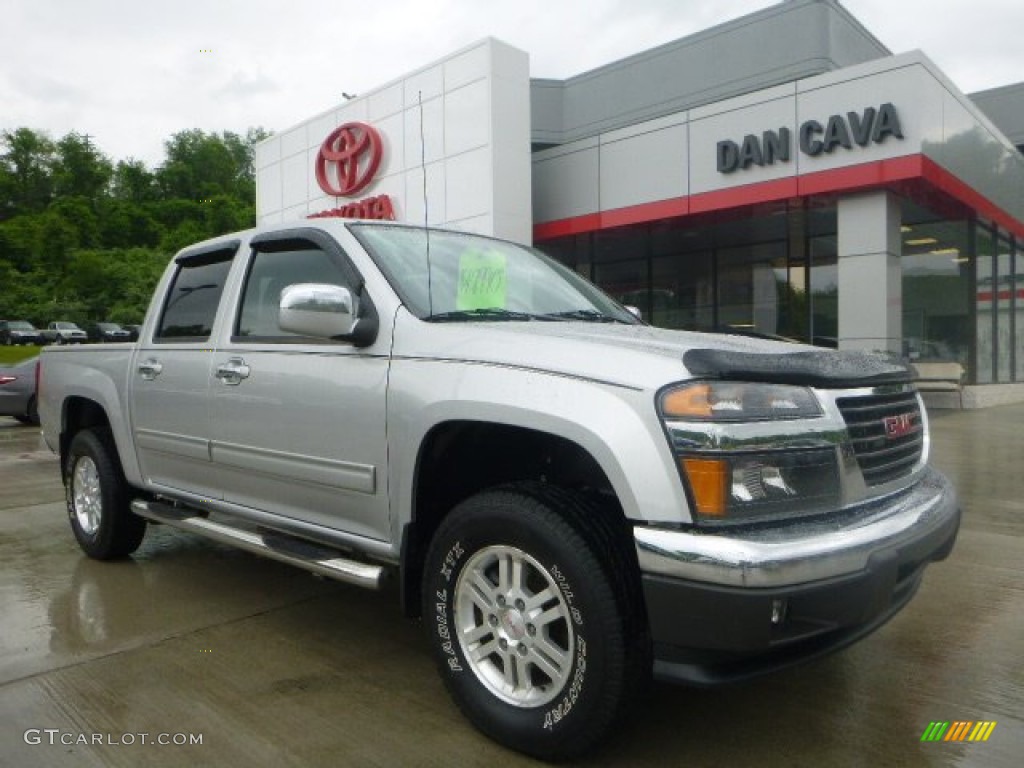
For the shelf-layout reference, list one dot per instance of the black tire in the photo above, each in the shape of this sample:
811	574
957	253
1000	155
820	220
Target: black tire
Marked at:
575	659
33	412
98	497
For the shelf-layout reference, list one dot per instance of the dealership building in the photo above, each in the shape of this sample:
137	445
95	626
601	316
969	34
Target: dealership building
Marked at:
783	173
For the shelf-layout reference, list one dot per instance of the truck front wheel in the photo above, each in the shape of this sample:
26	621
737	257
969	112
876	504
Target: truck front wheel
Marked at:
98	499
528	625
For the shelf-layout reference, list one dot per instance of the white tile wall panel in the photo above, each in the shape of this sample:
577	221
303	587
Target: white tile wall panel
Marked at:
466	67
293	180
268	152
566	184
385	102
481	225
433	133
293	141
644	168
268	189
426	84
413	194
467	113
468	184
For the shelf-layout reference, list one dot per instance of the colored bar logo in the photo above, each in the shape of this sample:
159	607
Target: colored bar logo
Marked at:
959	730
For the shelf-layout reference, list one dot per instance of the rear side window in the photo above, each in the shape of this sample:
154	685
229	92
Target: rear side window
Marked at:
192	300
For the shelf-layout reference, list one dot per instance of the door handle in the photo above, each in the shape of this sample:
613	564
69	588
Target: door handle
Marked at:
150	369
232	372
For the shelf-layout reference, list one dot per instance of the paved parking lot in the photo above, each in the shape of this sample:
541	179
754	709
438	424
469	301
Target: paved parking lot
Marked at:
269	666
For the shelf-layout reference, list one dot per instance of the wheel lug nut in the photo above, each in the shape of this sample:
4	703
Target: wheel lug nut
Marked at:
531	630
501	600
503	643
520	605
492	620
523	650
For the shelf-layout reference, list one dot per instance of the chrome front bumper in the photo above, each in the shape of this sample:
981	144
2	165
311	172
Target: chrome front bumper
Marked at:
924	517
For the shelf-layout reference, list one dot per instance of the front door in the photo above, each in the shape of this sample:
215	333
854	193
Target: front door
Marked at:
299	423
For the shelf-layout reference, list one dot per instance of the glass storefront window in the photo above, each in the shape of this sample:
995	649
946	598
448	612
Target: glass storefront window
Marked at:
1018	312
824	292
984	305
683	291
753	288
936	287
1003	301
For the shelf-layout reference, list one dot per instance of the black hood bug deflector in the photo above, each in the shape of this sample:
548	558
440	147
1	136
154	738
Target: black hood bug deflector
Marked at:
825	368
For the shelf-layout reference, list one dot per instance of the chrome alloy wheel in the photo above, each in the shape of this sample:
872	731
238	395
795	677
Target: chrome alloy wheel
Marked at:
86	495
513	626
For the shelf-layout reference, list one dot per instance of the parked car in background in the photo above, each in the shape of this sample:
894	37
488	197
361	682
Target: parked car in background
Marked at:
133	330
18	391
108	332
19	332
63	332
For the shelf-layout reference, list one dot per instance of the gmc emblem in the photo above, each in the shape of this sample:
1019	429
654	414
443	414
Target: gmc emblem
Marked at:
898	426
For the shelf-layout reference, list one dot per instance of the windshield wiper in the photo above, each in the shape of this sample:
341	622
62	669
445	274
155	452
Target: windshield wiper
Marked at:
587	315
485	313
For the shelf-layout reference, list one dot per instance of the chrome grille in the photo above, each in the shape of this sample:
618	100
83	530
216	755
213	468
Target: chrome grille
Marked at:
887	434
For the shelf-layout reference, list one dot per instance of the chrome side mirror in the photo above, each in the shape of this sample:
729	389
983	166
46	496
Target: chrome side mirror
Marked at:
320	310
634	311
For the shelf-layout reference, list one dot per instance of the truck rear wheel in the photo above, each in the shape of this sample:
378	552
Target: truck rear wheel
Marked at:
98	499
529	626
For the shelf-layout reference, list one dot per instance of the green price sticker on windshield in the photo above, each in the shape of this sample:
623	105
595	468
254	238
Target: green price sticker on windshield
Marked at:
483	280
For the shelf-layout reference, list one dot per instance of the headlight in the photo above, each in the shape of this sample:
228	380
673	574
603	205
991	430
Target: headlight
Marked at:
738	401
737	463
743	486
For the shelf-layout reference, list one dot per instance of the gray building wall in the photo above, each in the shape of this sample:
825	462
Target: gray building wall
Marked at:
786	42
1004	106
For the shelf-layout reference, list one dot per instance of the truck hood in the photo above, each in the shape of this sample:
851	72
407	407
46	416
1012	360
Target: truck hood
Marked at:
636	356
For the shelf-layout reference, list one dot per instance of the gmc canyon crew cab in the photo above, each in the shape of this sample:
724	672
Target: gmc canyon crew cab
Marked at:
569	499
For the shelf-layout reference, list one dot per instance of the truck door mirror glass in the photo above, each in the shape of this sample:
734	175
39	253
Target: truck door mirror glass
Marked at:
634	311
317	309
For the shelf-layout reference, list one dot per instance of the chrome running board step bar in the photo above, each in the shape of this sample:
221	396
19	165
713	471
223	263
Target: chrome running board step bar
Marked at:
285	549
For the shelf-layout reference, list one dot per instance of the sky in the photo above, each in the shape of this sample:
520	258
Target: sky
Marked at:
130	73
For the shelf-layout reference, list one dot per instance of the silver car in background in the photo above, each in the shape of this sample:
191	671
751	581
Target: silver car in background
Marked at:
18	391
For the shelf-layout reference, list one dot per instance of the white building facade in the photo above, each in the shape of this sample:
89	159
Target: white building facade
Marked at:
757	178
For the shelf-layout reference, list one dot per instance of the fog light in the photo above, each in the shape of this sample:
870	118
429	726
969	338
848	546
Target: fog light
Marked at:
778	611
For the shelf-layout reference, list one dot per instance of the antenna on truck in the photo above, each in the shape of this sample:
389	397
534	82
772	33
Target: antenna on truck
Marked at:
426	217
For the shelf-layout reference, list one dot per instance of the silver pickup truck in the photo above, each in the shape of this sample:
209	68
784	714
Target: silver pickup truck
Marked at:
569	499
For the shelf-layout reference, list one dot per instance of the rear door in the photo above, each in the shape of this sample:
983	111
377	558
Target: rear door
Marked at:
299	423
171	375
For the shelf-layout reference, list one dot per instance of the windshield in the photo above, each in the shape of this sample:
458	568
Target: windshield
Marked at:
475	278
19	325
65	326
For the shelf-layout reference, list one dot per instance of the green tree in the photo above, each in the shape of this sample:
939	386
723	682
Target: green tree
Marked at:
79	169
26	165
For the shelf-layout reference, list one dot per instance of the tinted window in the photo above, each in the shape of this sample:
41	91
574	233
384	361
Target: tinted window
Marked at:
269	274
192	301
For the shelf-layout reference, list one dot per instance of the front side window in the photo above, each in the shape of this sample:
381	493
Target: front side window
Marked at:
192	301
269	274
443	275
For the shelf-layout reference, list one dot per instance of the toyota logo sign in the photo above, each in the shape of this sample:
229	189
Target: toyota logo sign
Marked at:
348	159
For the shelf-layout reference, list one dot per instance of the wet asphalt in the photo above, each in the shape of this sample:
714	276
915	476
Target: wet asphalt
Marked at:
268	666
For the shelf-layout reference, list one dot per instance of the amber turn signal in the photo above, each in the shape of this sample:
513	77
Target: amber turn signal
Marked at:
709	480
